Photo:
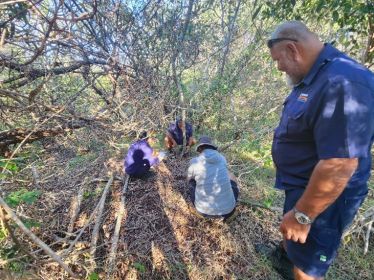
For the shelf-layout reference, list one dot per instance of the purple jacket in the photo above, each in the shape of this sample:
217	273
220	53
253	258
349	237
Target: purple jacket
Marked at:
139	158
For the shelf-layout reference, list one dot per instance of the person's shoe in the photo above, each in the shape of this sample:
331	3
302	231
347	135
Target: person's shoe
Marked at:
278	258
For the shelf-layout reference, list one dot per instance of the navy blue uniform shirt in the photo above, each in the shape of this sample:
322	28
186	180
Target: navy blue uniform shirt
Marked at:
330	114
177	133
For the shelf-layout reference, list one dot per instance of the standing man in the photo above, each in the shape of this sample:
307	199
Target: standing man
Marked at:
321	147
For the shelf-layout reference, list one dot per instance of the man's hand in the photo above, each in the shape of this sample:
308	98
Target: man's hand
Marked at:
174	143
292	230
161	155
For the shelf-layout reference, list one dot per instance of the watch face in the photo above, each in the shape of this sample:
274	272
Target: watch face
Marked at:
302	218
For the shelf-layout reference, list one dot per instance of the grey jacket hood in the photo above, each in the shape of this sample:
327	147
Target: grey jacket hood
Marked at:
211	156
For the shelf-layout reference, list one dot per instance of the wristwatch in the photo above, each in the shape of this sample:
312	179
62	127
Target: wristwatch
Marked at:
302	218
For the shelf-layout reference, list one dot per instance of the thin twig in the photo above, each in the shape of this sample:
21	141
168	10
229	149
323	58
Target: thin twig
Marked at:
367	237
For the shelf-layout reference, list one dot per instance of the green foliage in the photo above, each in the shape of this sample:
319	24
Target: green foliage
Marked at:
93	276
179	267
22	196
270	198
139	267
350	17
7	167
257	151
16	266
7	253
3	233
87	194
31	223
268	202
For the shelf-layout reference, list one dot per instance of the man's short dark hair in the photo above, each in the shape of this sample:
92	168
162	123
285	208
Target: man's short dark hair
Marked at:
205	147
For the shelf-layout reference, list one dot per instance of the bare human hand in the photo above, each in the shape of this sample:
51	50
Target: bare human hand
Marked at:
292	230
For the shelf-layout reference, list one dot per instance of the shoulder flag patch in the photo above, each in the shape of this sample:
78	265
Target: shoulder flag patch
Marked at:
303	97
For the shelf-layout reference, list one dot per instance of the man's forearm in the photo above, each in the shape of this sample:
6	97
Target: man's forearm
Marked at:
327	182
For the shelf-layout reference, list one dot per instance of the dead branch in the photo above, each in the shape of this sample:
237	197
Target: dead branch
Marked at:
13	95
360	222
35	239
35	73
95	232
121	211
236	141
35	176
19	135
75	207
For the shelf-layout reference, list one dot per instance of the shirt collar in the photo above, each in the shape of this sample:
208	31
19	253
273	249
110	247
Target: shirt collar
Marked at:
327	53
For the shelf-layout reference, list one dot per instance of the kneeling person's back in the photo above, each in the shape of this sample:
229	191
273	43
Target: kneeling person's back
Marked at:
213	193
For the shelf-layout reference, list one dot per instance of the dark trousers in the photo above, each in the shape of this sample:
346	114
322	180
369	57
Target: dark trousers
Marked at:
139	171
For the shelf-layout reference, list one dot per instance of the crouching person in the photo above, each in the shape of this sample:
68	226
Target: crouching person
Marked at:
141	157
214	192
174	135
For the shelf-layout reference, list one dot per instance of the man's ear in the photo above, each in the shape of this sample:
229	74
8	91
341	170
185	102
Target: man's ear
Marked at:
294	51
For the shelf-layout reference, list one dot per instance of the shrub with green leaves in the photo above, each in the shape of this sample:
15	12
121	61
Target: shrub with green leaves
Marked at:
7	167
22	196
139	267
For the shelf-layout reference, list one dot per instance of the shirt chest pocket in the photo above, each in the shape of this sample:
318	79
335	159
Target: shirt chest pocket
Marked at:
296	123
293	125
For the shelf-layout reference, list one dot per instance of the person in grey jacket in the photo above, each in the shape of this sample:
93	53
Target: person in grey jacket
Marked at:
214	191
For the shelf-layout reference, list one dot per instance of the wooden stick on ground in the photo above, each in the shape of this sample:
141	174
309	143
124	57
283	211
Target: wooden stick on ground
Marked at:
121	212
95	232
35	176
367	237
35	239
75	206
